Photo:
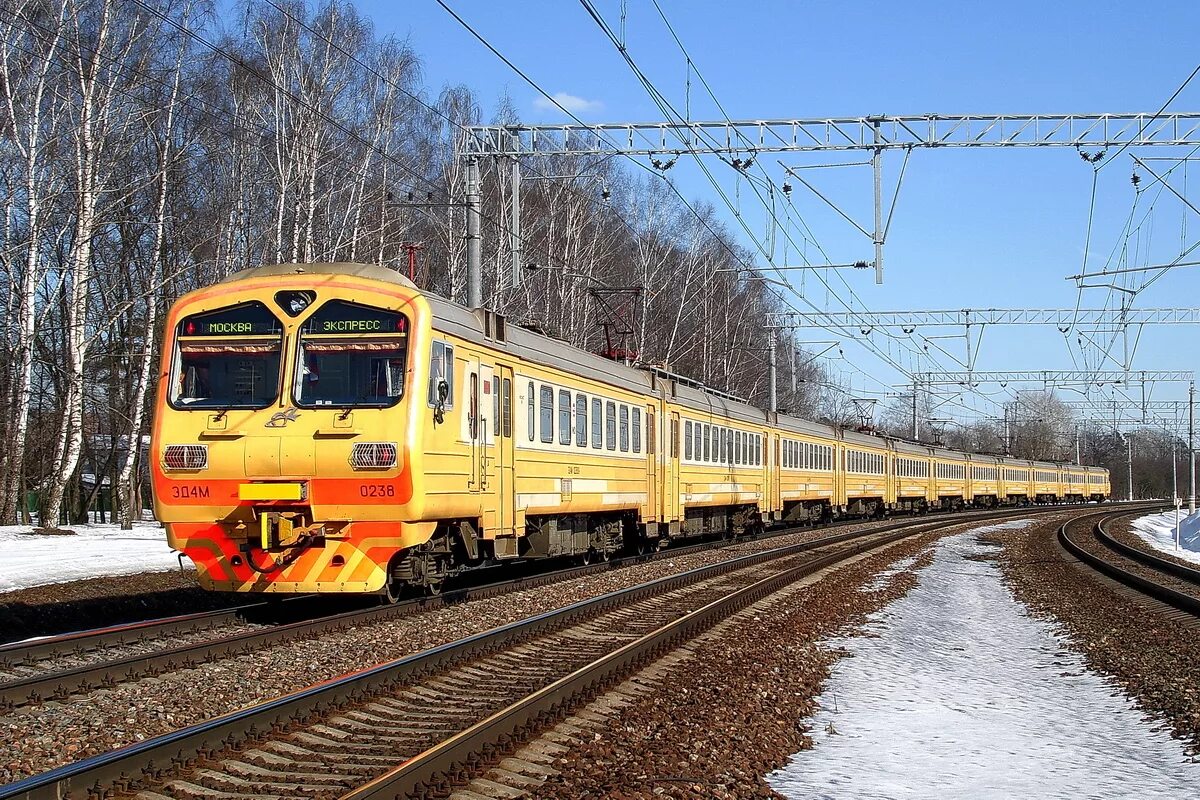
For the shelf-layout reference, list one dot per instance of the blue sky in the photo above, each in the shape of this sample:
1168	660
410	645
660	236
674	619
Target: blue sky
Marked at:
974	228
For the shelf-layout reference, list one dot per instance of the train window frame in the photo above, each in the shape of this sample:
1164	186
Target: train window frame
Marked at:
696	435
597	423
494	385
564	417
506	409
581	420
531	416
439	353
707	440
687	440
473	406
635	429
179	372
546	413
737	448
623	427
610	425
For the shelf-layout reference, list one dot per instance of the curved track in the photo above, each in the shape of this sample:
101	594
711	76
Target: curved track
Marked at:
1162	580
440	710
60	666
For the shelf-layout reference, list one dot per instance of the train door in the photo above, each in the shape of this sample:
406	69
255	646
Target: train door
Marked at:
775	474
672	509
503	473
472	428
652	470
486	433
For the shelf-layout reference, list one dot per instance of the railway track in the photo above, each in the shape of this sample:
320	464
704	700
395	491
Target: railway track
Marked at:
448	708
54	668
1173	585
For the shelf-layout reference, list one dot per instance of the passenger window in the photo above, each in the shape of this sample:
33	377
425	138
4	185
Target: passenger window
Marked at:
707	444
506	408
441	367
610	425
637	430
473	406
737	447
624	429
696	433
687	440
597	423
564	416
581	427
546	409
532	421
494	386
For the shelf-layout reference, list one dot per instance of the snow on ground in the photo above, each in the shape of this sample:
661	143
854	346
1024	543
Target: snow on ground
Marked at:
96	550
1158	530
955	692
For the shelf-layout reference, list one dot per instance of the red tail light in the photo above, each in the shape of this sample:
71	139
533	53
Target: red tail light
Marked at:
373	455
185	456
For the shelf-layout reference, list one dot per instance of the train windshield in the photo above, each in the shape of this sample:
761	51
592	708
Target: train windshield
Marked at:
352	356
228	358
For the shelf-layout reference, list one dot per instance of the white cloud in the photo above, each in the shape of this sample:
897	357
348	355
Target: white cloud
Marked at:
576	105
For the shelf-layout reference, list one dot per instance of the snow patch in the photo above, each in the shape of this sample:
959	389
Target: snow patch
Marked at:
97	550
1158	531
958	692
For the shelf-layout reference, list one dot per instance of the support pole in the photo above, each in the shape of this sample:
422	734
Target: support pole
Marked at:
1174	478
877	168
1007	434
773	398
916	429
1192	448
1078	460
474	236
515	221
1129	462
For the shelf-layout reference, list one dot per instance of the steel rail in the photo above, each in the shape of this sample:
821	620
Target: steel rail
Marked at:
128	768
436	771
1189	574
64	683
39	648
1156	591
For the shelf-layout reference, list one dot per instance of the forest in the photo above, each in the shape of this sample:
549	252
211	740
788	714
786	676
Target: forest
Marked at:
151	147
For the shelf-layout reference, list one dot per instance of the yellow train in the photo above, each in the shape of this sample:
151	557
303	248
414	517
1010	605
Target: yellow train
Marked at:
331	428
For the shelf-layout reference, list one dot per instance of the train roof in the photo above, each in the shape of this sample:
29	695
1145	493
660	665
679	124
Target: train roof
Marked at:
373	272
538	348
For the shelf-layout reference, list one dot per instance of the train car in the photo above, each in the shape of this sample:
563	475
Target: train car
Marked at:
1075	485
806	475
1017	481
866	475
984	474
1046	485
950	479
913	477
723	486
331	428
1098	484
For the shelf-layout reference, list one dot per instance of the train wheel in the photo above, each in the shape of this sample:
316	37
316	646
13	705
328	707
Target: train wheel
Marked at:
391	593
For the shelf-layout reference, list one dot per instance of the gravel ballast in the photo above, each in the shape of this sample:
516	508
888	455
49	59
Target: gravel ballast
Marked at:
37	738
1153	658
735	709
97	602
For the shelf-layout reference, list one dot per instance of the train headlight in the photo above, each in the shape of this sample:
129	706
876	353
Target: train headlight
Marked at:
373	455
185	456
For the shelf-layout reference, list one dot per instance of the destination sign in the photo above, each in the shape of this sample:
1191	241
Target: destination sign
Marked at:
248	319
338	316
